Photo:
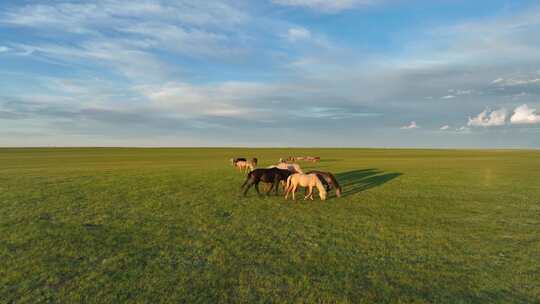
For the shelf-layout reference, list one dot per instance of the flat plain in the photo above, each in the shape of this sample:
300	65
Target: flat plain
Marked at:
168	225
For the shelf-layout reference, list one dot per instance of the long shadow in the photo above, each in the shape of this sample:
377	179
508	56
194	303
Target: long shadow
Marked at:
356	181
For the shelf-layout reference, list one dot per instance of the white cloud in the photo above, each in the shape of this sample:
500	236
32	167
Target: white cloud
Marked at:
486	119
524	115
298	33
326	5
448	97
445	127
497	81
412	125
3	49
510	82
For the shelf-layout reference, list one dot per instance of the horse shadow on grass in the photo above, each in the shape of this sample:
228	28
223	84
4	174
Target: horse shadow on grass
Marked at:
356	181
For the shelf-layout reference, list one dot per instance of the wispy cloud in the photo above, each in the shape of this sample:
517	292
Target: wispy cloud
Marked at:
126	35
326	5
515	81
298	33
445	127
448	97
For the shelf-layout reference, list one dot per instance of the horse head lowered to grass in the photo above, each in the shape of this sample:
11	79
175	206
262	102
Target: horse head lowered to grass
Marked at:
305	180
329	181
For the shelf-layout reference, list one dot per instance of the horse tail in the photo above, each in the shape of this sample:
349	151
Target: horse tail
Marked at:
320	187
289	182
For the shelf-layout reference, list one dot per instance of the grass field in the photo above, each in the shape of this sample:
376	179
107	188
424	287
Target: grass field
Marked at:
169	225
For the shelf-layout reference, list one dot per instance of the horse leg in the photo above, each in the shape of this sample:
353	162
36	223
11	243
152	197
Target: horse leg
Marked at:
270	188
248	185
293	192
257	188
310	193
276	186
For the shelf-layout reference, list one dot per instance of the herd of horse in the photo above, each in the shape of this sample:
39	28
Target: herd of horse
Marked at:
289	175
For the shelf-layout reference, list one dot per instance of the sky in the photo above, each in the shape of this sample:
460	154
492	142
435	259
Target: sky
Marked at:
270	73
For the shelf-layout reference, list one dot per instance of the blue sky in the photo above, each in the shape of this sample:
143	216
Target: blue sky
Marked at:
377	73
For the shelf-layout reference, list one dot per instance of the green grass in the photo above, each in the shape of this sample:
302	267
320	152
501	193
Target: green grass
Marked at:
169	225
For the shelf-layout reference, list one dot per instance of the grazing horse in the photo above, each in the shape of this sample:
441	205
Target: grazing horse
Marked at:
244	166
312	159
329	181
294	168
289	159
254	161
304	180
269	175
234	160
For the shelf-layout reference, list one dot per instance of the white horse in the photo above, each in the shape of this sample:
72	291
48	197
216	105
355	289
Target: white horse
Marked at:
294	168
242	166
305	180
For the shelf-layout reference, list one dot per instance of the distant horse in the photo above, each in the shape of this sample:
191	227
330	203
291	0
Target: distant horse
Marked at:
289	159
254	161
234	160
269	175
294	168
312	159
304	180
329	181
244	165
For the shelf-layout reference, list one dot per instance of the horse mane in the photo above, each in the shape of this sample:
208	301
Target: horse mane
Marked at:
320	187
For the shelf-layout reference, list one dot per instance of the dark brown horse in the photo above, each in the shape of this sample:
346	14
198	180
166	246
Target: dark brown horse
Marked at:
272	176
329	181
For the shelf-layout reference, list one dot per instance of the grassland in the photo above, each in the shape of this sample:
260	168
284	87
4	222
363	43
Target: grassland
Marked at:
169	225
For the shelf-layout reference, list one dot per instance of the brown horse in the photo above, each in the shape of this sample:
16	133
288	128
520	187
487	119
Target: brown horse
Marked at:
329	181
